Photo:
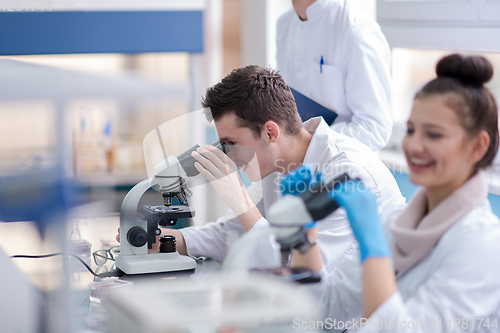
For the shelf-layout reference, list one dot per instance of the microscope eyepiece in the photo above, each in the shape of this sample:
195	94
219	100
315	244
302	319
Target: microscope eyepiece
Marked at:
187	161
221	146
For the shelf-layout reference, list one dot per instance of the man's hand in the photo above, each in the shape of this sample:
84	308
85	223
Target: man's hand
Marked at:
223	174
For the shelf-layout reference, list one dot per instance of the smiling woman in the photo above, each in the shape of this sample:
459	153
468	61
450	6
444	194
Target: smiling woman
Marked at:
453	126
445	244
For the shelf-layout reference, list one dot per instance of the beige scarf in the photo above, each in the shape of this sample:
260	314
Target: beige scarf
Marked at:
415	235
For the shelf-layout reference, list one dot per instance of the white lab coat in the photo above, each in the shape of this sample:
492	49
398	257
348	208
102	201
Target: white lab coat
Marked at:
330	152
459	279
355	81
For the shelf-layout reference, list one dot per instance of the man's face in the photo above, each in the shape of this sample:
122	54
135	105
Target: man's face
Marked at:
252	155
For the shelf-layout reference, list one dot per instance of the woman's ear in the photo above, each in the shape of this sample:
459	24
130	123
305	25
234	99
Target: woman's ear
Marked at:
480	146
272	131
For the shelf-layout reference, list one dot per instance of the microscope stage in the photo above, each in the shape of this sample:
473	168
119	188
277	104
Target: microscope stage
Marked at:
167	213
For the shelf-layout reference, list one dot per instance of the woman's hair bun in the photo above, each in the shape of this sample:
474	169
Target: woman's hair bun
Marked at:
469	70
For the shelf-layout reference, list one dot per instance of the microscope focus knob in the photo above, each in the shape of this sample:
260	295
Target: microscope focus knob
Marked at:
137	236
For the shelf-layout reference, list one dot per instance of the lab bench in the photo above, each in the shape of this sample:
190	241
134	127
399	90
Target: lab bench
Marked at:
46	273
91	316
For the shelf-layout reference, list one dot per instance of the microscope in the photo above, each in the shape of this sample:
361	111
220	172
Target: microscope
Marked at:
138	234
289	219
292	215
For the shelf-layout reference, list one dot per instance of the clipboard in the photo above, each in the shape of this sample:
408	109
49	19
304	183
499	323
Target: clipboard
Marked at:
309	108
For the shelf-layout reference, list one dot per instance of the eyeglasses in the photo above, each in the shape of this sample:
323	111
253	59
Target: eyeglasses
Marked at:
102	256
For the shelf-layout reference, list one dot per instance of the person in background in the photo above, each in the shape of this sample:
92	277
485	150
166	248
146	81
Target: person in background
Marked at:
341	60
445	267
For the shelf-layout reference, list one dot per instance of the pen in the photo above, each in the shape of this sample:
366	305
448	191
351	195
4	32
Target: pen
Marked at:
321	63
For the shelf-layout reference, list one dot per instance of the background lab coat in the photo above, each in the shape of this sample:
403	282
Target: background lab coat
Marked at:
334	154
459	279
355	82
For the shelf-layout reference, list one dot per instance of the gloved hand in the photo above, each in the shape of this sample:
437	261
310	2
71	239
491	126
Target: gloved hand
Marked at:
300	180
361	207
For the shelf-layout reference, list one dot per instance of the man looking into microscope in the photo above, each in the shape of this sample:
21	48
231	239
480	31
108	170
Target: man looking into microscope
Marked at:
254	113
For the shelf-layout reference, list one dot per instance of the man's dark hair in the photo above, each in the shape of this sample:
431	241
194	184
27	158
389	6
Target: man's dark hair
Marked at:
255	95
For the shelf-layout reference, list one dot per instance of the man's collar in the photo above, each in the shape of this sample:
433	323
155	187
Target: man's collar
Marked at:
316	9
320	138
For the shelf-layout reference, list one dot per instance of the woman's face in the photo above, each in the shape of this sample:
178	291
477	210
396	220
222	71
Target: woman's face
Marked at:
436	146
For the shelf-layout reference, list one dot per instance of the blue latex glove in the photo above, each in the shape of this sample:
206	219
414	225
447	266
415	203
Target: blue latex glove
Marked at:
361	207
299	180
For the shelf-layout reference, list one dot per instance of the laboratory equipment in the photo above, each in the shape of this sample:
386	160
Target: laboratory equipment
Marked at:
212	304
98	316
79	247
99	290
290	217
138	235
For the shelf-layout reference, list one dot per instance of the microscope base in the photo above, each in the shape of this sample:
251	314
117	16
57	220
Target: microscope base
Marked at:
154	263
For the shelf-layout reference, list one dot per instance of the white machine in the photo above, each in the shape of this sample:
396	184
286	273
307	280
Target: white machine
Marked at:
290	218
216	303
137	235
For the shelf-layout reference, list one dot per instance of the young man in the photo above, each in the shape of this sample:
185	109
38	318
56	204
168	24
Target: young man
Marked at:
254	109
